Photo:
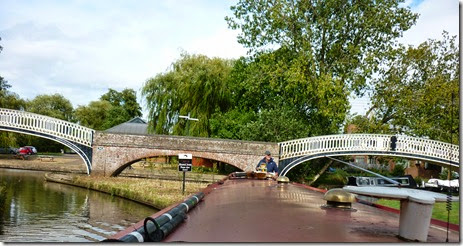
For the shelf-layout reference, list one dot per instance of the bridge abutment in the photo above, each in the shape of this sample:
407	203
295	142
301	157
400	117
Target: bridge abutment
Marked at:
112	152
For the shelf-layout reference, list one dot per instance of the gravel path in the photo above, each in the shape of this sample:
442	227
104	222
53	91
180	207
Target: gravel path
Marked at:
65	163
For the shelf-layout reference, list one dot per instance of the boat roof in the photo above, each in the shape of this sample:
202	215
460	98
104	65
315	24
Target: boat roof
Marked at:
251	210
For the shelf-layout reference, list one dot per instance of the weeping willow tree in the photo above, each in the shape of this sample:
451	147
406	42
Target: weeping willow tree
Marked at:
195	85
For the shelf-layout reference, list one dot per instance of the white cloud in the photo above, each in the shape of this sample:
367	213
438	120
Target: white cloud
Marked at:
435	17
80	48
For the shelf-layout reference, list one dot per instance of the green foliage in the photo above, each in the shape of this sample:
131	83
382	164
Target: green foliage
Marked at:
307	58
418	180
124	102
195	85
112	109
9	99
413	92
55	106
202	169
341	40
305	172
444	174
366	124
231	124
337	178
95	115
266	125
275	87
398	170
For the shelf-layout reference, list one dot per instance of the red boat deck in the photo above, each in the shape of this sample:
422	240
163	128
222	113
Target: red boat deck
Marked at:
247	210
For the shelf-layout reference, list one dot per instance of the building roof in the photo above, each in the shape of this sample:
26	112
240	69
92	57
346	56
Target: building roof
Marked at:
134	126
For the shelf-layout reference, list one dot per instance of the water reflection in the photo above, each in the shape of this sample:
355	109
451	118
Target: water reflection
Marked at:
32	210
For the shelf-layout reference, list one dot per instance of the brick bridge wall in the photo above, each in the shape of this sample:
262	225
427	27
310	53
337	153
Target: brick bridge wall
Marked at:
113	152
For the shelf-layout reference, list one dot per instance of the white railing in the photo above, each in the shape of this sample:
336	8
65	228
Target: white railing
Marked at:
47	125
369	143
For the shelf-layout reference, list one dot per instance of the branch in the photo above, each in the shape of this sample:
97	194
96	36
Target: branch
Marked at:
321	172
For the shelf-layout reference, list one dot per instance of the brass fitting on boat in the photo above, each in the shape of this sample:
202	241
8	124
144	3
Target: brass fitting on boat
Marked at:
338	198
283	179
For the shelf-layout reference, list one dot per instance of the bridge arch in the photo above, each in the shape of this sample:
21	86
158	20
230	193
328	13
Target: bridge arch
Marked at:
113	150
73	136
298	151
201	155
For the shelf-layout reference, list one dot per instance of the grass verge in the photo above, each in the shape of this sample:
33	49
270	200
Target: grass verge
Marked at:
439	210
155	192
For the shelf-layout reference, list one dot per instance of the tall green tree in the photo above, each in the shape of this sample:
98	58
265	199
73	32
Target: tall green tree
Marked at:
112	109
274	82
342	40
414	91
195	85
366	124
126	100
311	55
95	115
55	105
9	100
270	125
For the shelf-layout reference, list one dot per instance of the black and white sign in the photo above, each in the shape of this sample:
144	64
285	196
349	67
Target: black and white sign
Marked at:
185	162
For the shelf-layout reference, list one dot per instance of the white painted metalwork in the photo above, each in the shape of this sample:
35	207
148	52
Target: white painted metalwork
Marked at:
46	125
426	149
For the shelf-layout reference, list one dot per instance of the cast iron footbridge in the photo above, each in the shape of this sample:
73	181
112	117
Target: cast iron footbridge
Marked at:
74	136
298	151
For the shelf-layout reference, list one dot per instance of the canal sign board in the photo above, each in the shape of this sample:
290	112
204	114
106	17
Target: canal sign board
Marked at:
185	162
184	165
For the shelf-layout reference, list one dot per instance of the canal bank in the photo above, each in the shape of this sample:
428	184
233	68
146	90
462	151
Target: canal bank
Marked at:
155	188
64	163
156	193
71	163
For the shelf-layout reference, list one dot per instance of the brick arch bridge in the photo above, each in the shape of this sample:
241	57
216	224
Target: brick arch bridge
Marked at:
112	152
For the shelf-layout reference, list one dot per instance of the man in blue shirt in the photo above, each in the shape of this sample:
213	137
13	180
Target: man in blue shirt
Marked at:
269	163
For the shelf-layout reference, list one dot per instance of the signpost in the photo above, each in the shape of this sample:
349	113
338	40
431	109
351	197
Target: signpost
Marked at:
184	165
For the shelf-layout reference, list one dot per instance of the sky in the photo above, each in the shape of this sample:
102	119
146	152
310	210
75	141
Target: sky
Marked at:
81	48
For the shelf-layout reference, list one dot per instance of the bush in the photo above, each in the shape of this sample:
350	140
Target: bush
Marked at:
398	170
418	180
444	174
202	169
305	172
337	178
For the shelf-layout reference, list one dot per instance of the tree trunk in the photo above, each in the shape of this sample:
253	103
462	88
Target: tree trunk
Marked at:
321	172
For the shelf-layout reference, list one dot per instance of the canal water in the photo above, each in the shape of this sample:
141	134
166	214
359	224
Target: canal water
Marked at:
33	210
